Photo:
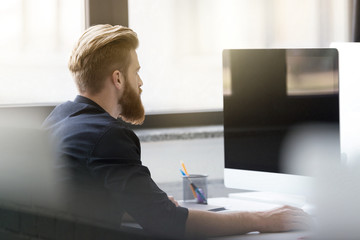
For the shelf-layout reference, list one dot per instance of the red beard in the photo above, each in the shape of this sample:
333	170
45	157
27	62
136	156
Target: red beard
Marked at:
132	108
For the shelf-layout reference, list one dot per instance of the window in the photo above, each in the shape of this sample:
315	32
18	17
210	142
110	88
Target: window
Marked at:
36	41
181	42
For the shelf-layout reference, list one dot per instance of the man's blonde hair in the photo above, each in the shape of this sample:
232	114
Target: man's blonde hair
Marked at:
101	50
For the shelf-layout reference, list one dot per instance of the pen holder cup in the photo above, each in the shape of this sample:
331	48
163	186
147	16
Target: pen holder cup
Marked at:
190	194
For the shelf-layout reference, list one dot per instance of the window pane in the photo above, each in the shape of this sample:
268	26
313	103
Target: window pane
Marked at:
38	36
181	42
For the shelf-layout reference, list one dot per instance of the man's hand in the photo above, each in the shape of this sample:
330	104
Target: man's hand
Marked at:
285	218
171	198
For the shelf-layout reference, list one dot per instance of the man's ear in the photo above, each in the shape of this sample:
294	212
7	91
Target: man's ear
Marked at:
118	79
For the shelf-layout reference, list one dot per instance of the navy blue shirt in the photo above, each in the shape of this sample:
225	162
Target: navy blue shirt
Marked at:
100	155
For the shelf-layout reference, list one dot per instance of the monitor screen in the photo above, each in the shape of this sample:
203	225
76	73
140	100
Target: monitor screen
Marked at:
268	92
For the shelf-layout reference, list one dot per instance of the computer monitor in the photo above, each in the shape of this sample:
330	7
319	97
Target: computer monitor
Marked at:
267	94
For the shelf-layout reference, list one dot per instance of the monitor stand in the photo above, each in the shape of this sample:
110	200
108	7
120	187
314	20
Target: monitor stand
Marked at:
272	197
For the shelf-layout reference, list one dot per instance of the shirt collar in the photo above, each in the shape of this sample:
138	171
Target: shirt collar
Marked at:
82	99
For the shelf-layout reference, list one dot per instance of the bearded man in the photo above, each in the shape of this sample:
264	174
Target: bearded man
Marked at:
100	155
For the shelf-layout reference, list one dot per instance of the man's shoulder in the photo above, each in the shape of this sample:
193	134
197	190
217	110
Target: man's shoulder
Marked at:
72	112
78	117
91	130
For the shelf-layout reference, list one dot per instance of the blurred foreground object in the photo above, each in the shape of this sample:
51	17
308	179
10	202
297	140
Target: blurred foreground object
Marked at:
314	150
27	175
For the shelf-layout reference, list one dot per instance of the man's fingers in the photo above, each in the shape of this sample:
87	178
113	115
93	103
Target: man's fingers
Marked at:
171	198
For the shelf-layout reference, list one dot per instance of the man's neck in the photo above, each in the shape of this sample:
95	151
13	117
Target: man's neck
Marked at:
106	101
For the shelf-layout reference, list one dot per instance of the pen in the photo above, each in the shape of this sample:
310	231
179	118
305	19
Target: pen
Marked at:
183	165
200	193
182	172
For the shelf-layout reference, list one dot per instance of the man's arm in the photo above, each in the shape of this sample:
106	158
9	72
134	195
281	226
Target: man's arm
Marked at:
211	224
127	218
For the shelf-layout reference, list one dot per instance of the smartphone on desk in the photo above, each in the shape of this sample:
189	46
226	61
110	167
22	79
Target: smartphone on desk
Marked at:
203	207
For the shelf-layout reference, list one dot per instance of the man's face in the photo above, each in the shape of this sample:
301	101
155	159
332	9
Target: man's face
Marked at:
132	108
